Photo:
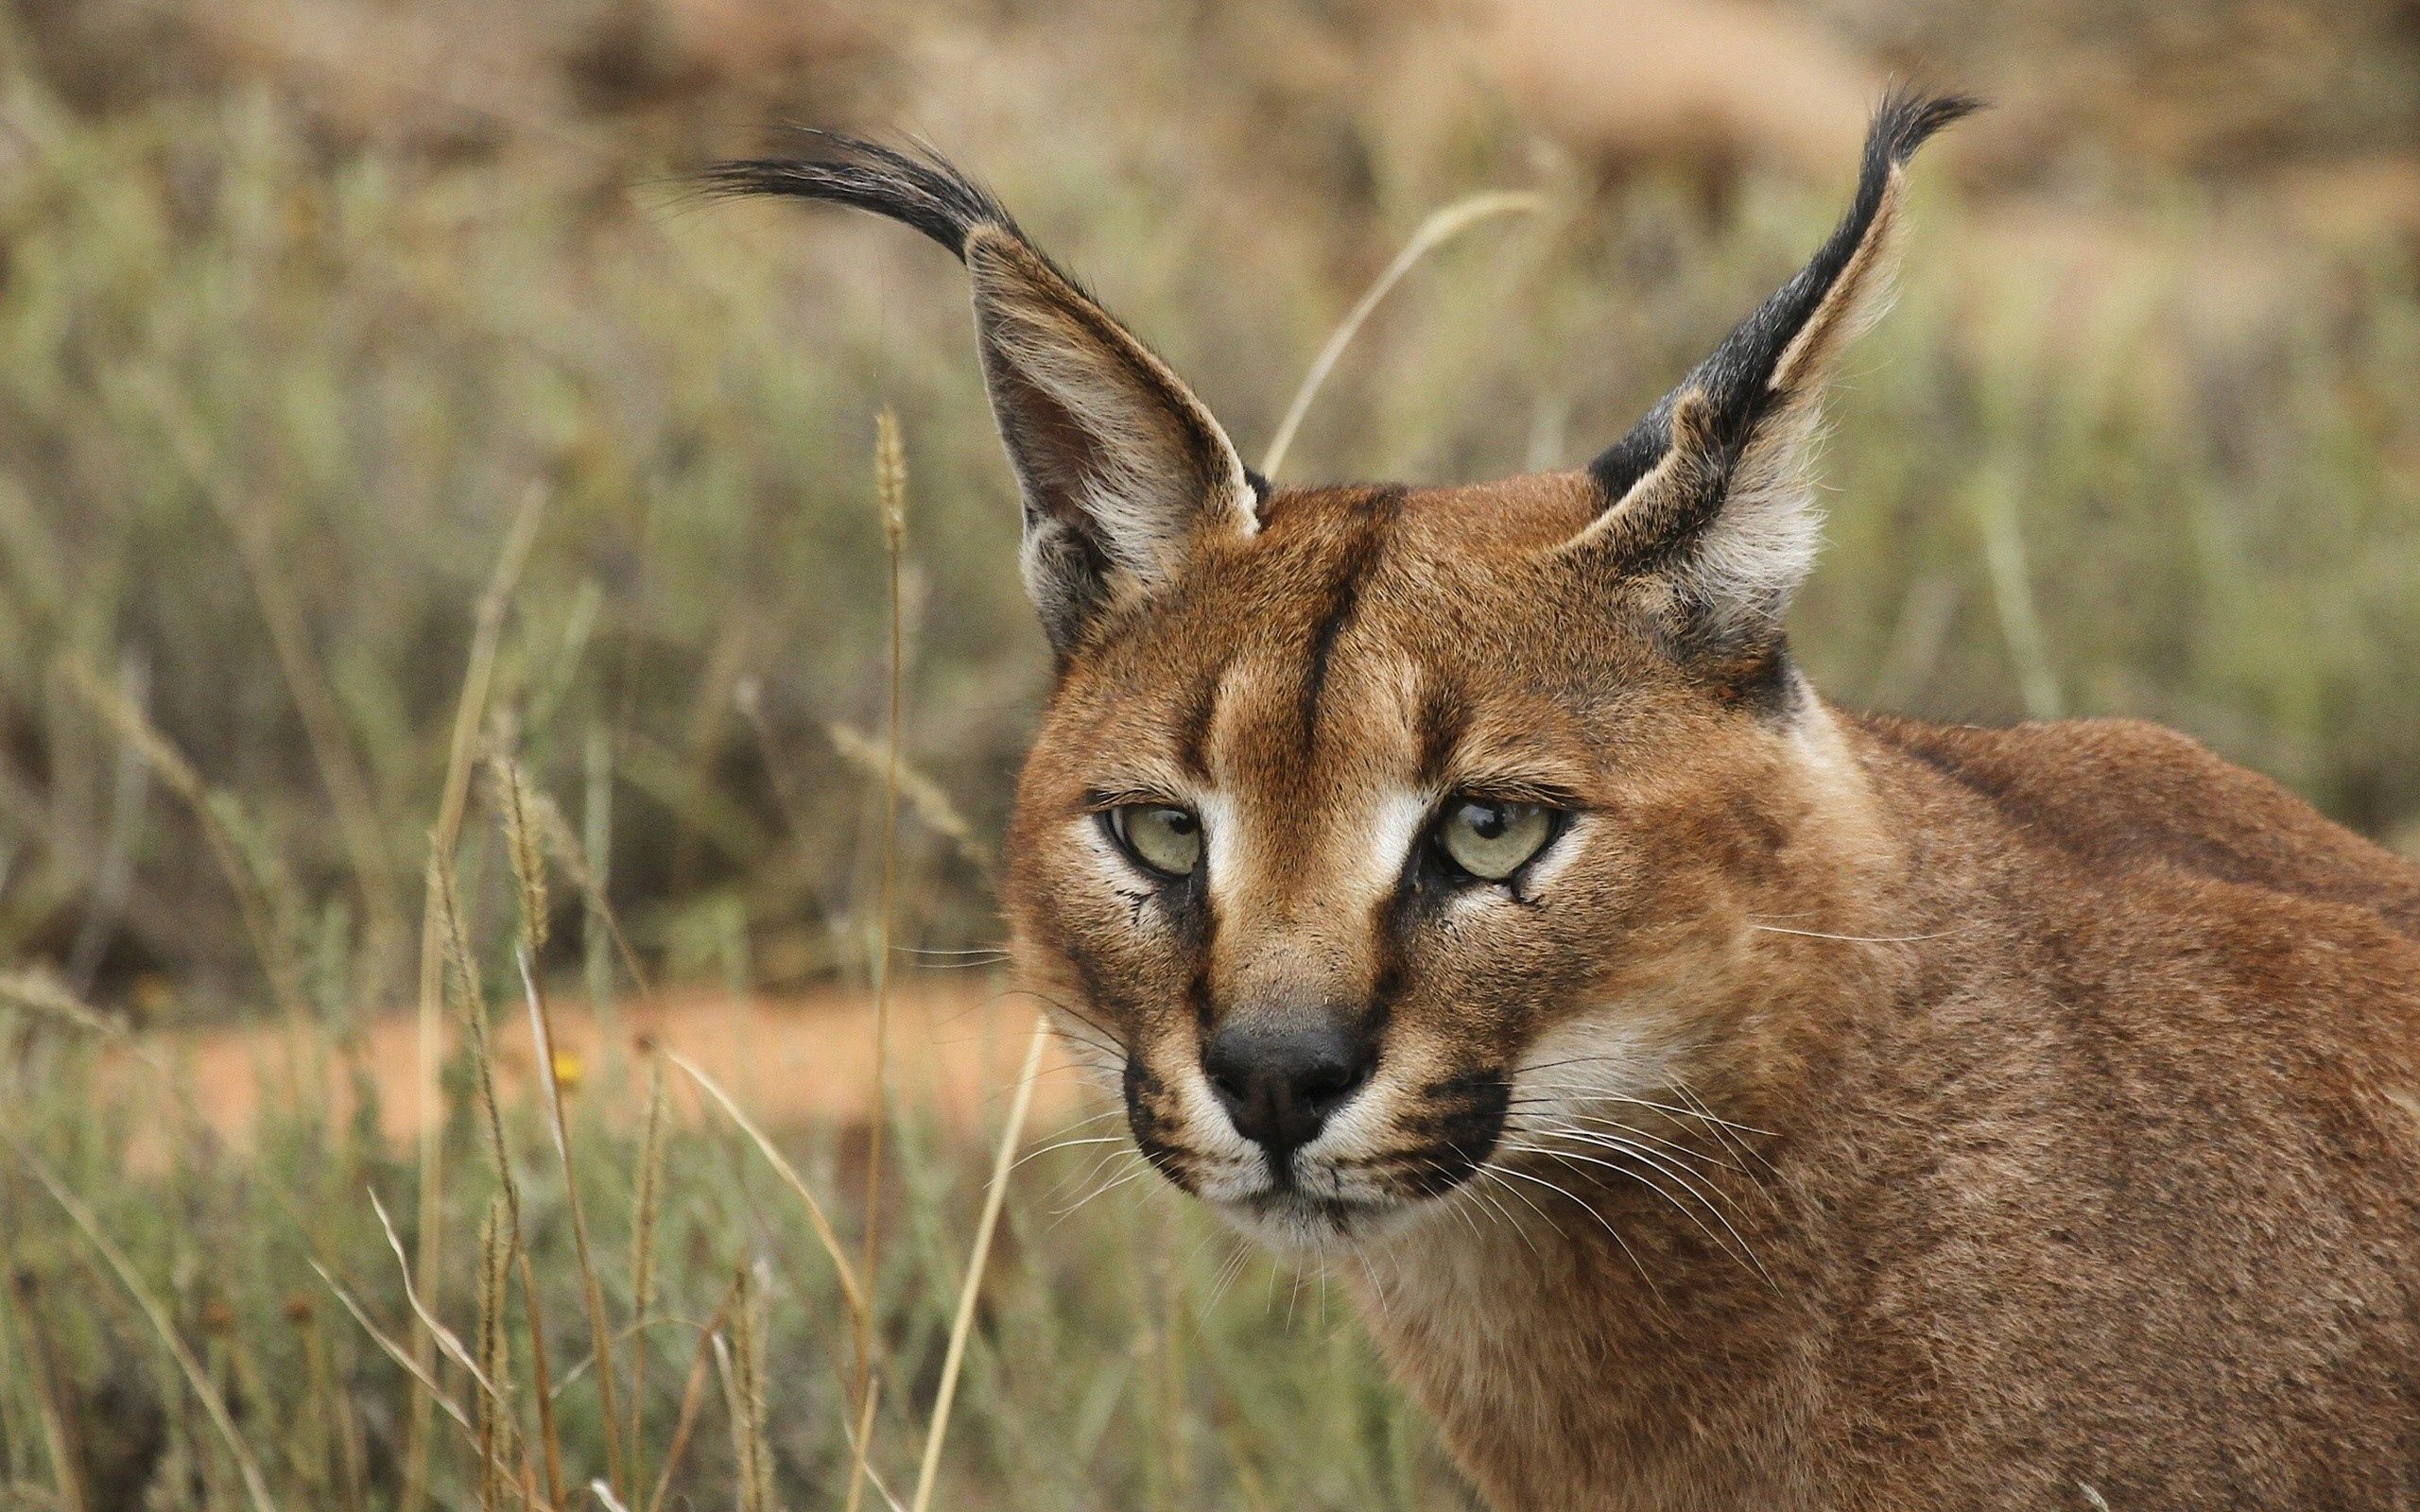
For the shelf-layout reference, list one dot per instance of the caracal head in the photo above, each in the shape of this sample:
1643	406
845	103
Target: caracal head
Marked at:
1375	833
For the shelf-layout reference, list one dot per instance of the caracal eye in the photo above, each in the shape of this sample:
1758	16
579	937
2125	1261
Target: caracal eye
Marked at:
1489	839
1163	838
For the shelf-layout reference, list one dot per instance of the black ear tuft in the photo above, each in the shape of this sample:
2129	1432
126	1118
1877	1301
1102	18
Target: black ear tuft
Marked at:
1737	378
916	187
1121	468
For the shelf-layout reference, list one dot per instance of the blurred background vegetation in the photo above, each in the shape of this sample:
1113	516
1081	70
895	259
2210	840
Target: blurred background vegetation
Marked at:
306	306
302	298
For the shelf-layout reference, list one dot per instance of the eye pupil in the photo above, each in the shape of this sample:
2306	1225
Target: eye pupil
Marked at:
1487	820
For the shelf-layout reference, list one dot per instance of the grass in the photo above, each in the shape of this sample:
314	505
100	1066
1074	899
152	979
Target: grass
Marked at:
330	475
226	1258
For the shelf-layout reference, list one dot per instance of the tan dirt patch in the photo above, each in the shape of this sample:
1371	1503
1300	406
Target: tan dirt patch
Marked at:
791	1061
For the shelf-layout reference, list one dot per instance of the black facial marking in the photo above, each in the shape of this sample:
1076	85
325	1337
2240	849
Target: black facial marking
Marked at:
1442	720
1143	1094
1197	993
1193	729
1460	1119
1343	595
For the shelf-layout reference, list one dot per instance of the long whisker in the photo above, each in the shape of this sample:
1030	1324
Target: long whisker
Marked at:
1689	1094
1491	1168
1369	1273
1601	1220
1743	1249
1673	1146
1039	1151
1501	1214
1231	1270
1071	1011
1616	1145
1142	1168
1861	939
1701	1112
1455	1205
1087	1175
1642	1177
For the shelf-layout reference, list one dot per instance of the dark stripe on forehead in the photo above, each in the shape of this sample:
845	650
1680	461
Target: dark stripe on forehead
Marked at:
1443	719
1193	731
1359	555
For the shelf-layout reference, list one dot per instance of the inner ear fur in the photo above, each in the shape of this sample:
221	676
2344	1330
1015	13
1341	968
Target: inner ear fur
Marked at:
1120	466
1709	501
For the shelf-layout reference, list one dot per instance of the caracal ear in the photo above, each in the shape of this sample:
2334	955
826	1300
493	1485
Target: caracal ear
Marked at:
1121	466
1709	501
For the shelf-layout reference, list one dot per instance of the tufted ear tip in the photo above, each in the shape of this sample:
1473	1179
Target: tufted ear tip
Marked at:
1712	489
1119	465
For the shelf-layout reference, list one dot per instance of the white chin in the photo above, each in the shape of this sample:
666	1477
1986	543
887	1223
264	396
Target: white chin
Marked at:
1304	1226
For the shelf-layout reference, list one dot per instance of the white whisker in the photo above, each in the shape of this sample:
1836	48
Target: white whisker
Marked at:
1743	1249
1601	1220
1857	939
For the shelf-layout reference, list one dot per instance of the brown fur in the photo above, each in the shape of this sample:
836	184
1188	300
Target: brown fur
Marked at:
1835	1111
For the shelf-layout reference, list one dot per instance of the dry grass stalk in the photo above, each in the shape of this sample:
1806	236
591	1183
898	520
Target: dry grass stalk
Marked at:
1176	1445
1996	502
994	1194
890	488
743	1384
861	1452
38	991
447	1340
213	1404
470	1001
573	857
495	1422
324	723
542	1387
647	1200
470	713
1440	227
403	1357
310	1440
255	901
335	1408
542	1033
528	856
924	797
693	1395
853	1293
60	1444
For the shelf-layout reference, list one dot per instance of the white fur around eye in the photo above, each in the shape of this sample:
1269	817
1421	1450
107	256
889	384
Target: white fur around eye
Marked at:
1109	863
1401	817
1558	856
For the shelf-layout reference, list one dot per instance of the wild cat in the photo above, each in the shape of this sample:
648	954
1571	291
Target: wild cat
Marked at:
1721	1099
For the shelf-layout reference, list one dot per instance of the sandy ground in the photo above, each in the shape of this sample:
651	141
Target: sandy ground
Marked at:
956	1045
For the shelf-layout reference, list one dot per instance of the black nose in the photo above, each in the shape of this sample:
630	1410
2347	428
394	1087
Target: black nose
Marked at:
1280	1078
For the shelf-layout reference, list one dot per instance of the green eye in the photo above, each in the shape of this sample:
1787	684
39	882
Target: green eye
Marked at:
1164	839
1491	840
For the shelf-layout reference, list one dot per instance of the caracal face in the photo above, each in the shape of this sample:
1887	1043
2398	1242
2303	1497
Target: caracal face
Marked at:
1460	856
